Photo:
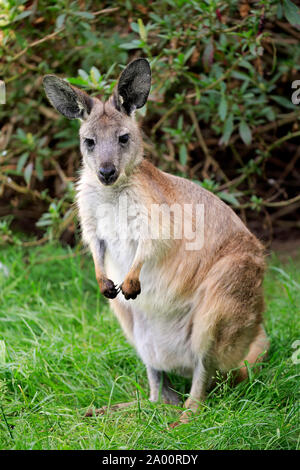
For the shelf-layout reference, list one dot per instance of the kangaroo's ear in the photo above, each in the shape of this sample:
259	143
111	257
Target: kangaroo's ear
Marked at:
68	100
133	87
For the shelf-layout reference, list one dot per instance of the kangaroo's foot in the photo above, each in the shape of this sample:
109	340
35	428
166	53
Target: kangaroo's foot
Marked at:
192	408
106	409
197	394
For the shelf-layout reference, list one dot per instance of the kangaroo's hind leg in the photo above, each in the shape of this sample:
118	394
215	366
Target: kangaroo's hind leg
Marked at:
201	379
160	386
227	323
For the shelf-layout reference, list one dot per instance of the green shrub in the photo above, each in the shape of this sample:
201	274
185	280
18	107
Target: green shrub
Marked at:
220	110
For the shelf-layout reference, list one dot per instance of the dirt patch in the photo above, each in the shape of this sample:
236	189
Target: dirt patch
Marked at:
286	249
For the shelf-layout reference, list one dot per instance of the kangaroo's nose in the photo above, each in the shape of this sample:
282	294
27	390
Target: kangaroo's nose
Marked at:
107	174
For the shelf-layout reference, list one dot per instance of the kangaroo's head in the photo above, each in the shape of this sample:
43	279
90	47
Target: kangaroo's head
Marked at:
110	139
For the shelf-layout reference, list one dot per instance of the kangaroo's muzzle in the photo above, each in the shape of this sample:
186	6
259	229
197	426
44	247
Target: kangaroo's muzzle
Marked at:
108	174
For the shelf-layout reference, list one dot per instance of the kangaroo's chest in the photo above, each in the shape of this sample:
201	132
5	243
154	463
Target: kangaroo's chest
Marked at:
118	223
161	322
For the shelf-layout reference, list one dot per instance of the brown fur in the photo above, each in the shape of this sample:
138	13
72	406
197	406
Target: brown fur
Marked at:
214	297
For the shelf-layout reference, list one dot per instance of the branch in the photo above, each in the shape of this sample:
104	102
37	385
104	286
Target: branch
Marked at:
237	181
209	160
219	80
35	43
282	203
55	33
23	189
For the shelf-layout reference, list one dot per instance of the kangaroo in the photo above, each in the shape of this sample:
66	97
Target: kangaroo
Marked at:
189	307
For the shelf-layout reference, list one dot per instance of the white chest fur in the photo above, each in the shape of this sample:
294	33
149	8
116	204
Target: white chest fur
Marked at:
160	321
117	222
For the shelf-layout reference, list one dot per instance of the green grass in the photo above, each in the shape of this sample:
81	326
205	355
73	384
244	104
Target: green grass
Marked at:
65	352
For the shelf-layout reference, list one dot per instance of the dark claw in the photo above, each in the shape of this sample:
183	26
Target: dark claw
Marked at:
110	289
112	294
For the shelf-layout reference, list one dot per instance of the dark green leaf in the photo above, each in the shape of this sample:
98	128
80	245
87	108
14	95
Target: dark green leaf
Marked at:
84	14
39	169
95	75
227	130
21	161
23	15
84	75
183	154
142	30
208	55
228	197
222	110
28	172
291	12
283	101
60	21
135	44
245	133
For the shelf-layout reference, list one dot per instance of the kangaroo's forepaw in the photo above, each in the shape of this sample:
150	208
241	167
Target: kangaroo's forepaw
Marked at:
108	288
131	288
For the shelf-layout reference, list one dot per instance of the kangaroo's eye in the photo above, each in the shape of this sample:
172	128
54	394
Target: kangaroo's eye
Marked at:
123	139
89	143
